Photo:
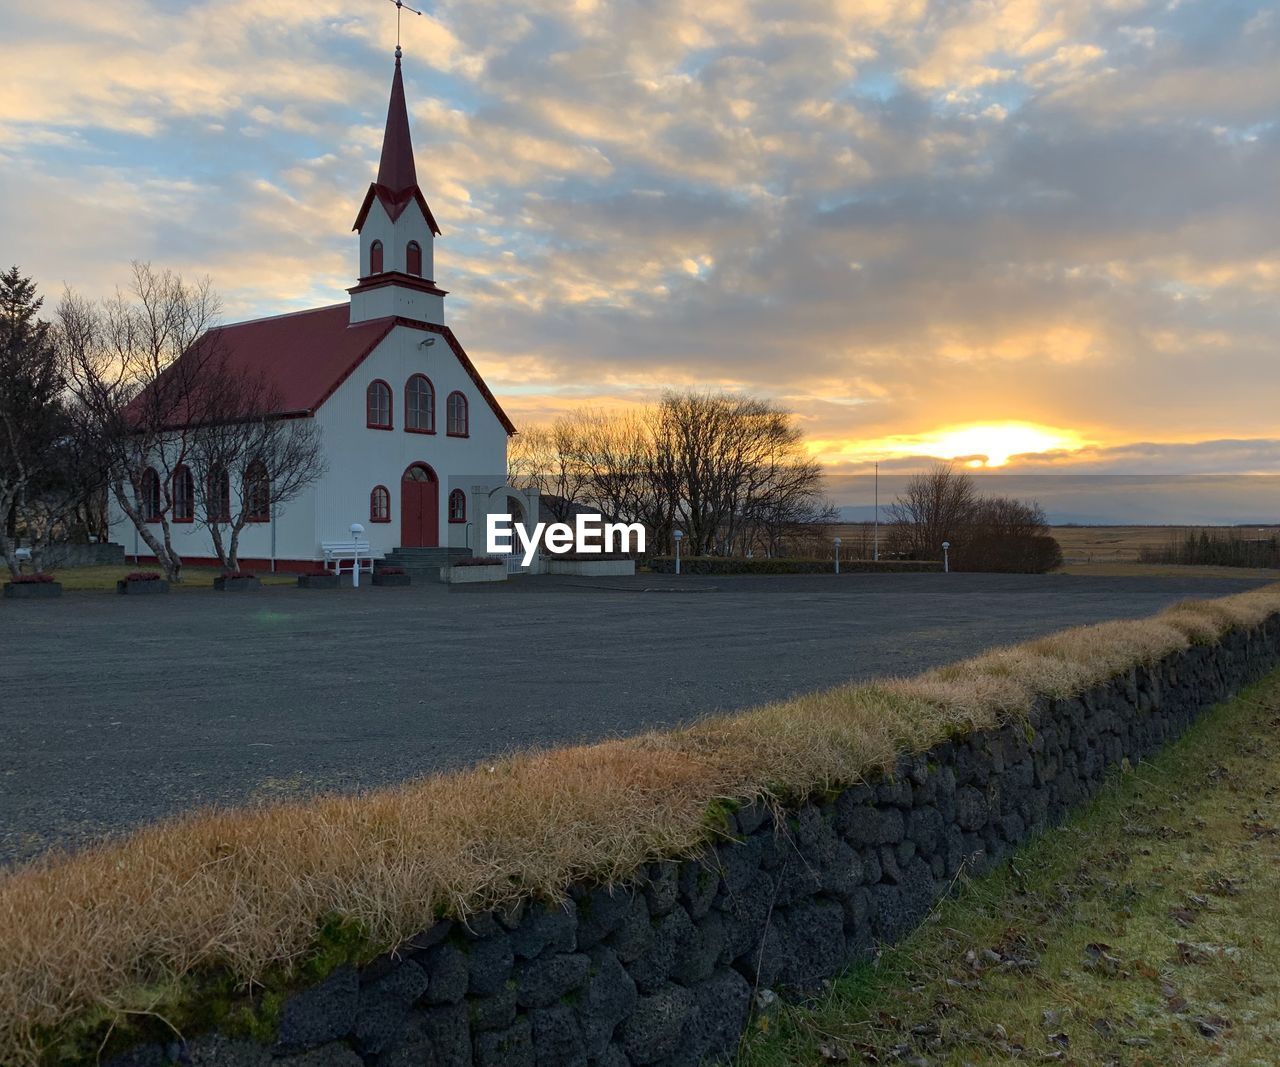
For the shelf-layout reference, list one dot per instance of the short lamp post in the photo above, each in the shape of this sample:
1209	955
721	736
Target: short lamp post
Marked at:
946	557
837	555
679	537
356	531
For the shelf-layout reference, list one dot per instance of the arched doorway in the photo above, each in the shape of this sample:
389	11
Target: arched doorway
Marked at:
419	507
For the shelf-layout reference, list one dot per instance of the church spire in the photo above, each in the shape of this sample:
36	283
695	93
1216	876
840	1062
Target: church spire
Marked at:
397	184
396	172
397	231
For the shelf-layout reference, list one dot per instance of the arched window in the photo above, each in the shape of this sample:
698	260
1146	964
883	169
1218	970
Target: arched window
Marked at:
257	492
378	405
184	495
419	405
150	496
218	503
380	504
375	258
457	506
456	414
413	259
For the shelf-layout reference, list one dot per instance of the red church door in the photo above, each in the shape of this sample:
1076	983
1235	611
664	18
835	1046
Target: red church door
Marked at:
419	508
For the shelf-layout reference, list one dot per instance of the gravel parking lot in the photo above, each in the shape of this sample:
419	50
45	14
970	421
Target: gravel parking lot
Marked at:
116	710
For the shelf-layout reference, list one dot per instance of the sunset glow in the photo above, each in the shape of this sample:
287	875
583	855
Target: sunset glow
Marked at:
967	231
988	445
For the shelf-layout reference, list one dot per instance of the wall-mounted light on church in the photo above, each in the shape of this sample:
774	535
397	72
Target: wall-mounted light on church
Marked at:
946	557
426	342
837	555
679	537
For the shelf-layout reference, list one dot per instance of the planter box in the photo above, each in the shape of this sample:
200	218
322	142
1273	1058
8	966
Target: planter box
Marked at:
236	585
32	590
589	567
156	585
317	581
462	575
390	579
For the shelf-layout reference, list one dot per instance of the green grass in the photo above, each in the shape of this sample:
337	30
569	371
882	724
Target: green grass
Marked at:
1145	931
103	579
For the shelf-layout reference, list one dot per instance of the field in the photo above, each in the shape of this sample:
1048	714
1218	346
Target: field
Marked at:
1124	544
1112	551
1142	932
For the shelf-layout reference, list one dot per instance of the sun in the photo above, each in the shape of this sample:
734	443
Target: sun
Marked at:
983	445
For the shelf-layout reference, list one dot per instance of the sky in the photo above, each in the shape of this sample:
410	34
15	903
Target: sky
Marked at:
1031	236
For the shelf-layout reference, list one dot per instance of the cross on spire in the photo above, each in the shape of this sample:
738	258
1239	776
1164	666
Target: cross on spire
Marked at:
400	6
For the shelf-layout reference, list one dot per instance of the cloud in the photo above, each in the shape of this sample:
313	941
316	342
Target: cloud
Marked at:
894	216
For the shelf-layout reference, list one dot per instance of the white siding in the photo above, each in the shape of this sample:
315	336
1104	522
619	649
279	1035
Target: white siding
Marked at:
360	458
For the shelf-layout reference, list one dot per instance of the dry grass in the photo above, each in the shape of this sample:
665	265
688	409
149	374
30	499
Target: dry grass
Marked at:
246	892
1167	570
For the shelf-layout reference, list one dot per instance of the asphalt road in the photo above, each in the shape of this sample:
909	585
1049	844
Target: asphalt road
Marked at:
115	710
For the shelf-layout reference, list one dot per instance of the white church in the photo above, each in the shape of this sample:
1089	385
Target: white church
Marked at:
415	444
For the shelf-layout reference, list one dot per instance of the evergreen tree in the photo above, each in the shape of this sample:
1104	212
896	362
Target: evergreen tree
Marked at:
33	417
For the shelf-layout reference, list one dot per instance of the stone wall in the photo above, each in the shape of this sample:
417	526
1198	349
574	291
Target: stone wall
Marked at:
66	554
663	972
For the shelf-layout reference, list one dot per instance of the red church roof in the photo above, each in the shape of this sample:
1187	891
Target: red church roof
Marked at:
308	354
397	182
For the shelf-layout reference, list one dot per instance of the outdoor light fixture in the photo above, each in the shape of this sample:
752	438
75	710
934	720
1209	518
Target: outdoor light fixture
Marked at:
946	557
679	537
356	531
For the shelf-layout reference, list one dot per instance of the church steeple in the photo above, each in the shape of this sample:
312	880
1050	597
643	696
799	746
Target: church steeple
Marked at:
396	172
397	230
397	182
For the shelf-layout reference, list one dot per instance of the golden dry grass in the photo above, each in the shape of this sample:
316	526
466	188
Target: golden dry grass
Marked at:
246	891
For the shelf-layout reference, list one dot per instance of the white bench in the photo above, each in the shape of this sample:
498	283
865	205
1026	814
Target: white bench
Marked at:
348	556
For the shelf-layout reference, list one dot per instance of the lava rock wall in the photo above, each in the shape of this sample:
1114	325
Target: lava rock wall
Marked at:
663	972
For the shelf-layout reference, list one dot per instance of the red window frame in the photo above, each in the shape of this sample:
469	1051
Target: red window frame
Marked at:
184	494
150	495
380	504
413	259
431	405
457	423
376	258
457	506
218	502
257	492
370	413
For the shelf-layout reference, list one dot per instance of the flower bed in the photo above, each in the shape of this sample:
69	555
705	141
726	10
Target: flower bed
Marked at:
236	582
475	569
318	579
390	576
142	583
32	587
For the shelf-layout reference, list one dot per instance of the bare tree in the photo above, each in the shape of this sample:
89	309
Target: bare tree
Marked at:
138	365
170	415
986	533
548	459
935	507
246	461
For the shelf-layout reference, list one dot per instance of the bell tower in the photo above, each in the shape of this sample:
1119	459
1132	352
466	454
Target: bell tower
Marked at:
397	231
